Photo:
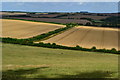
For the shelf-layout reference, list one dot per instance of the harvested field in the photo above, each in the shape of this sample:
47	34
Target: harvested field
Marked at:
88	37
26	29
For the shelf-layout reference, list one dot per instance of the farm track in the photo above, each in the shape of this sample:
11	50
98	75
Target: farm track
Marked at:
87	37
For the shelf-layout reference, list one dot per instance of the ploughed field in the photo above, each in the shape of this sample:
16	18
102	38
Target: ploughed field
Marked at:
88	37
25	29
79	16
55	20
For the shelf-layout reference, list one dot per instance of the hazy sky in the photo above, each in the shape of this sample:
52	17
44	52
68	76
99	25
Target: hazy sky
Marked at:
96	7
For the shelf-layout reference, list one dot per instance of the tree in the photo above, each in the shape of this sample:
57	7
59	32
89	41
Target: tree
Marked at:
88	24
78	47
113	50
93	48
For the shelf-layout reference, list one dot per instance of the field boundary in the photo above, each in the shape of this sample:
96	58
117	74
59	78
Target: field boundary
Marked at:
53	35
55	46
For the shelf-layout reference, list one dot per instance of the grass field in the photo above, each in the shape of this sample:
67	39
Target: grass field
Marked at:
36	62
26	29
88	37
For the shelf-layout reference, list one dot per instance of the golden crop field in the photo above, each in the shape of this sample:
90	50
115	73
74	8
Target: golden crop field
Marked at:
25	29
88	37
8	13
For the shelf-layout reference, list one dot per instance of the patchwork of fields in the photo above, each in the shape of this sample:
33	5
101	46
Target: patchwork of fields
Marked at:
55	20
88	37
83	36
26	29
79	16
27	62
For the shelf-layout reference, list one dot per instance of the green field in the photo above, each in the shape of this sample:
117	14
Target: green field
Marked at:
36	62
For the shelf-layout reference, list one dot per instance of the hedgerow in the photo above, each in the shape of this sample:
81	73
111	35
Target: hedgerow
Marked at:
55	46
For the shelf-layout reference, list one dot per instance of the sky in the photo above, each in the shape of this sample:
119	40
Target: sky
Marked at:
93	7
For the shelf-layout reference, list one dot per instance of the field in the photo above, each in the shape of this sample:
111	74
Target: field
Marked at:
44	15
88	37
54	20
27	63
63	18
10	13
78	16
26	29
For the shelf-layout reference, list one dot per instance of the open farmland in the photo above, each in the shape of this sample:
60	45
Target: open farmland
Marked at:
44	15
88	37
11	13
25	29
27	63
79	16
54	20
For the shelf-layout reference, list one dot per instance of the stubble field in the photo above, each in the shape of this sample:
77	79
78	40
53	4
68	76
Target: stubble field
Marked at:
88	37
25	29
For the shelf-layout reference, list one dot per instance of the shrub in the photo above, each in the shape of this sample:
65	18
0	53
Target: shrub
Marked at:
93	48
78	47
88	24
113	50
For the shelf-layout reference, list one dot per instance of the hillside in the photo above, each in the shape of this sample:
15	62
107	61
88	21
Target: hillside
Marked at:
26	63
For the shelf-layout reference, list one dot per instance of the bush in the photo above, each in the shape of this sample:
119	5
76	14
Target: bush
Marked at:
88	24
93	48
78	47
113	50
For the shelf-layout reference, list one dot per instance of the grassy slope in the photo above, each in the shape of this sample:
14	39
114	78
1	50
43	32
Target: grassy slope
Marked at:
36	62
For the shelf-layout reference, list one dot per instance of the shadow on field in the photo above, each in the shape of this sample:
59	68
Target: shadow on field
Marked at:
18	75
